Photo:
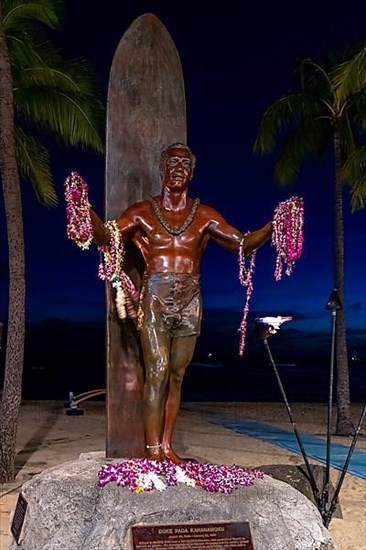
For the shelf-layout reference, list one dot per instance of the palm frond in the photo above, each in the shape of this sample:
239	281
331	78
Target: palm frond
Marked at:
17	13
358	194
39	62
56	95
51	94
350	76
42	65
34	165
22	52
310	139
357	109
353	170
354	167
346	130
288	111
72	119
314	78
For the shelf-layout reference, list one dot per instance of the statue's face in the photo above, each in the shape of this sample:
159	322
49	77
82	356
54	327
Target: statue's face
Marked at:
178	169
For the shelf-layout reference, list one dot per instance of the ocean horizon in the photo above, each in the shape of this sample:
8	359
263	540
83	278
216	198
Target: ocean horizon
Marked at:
53	375
63	357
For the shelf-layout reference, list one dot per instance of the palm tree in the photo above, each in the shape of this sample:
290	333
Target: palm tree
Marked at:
326	113
39	92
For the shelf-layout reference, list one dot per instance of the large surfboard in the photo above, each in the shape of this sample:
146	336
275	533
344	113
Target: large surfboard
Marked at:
145	113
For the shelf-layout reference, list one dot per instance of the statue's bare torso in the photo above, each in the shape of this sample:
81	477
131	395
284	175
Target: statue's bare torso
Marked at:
167	253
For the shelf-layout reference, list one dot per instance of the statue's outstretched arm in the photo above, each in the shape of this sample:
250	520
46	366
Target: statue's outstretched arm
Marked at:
228	237
255	239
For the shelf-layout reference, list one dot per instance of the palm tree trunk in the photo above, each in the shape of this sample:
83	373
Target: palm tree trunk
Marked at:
11	398
344	422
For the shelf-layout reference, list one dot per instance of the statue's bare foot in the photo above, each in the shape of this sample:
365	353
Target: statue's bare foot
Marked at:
171	455
154	453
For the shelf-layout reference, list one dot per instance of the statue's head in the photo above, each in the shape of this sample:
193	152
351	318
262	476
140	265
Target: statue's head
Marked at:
170	152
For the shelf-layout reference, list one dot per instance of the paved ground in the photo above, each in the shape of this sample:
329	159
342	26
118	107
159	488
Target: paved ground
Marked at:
47	437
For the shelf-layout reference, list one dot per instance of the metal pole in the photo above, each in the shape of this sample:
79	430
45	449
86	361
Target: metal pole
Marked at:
325	490
333	304
334	501
312	481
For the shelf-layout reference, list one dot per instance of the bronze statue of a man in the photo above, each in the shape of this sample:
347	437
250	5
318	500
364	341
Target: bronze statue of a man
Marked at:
172	230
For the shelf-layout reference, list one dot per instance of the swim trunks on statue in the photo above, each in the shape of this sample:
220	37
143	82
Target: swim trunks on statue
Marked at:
171	302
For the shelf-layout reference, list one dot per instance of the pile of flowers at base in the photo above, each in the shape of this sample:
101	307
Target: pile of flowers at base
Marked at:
142	474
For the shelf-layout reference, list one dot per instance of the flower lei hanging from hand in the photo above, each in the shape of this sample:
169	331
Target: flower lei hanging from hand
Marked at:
287	234
111	269
79	225
245	278
80	230
288	238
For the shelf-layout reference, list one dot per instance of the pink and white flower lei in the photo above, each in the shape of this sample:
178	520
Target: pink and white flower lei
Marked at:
111	269
142	474
246	280
79	225
287	235
288	238
80	230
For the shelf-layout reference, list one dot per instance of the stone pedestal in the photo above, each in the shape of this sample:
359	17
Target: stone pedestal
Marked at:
68	511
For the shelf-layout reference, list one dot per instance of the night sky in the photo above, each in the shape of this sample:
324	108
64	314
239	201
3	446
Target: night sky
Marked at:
237	58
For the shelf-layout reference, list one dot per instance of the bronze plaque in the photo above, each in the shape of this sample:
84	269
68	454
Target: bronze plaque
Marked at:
18	518
193	536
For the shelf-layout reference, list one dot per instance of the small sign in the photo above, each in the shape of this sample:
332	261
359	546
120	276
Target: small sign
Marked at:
18	518
193	536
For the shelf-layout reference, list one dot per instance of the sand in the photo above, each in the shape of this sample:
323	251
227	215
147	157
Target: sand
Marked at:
47	437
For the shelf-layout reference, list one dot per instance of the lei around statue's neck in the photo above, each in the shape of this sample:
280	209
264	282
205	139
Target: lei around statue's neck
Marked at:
175	231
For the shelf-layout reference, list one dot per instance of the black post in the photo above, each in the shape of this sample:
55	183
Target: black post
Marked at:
312	481
333	305
266	326
328	515
263	330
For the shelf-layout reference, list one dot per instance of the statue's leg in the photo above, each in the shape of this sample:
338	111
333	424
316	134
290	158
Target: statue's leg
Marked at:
156	350
181	352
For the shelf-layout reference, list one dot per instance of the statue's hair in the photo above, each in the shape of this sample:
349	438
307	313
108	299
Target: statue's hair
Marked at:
178	145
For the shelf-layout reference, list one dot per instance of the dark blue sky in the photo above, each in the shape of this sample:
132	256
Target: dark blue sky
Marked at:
237	58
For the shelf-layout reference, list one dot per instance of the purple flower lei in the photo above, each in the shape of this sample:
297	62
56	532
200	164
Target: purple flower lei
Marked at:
246	280
288	238
80	230
287	234
146	475
79	225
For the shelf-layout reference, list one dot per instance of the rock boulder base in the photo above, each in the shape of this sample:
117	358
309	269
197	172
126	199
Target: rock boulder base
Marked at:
67	510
